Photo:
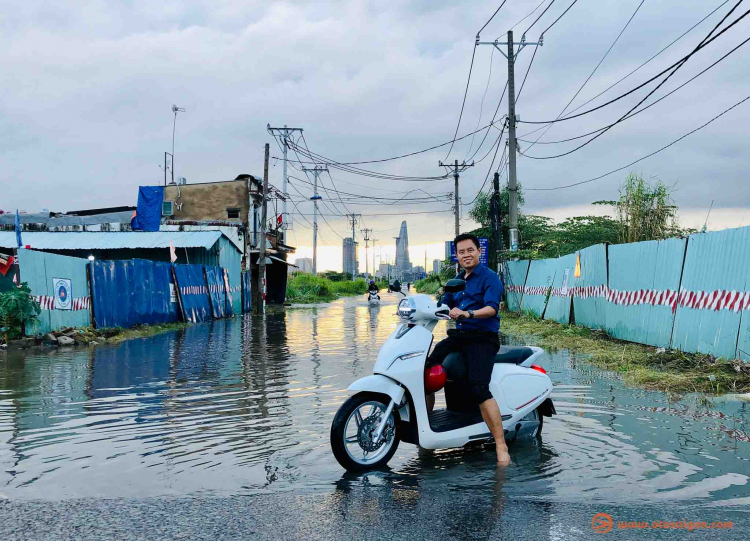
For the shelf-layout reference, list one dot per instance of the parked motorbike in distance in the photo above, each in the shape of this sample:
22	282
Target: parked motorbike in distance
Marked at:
390	405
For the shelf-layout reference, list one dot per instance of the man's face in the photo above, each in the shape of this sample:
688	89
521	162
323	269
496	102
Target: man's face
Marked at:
468	254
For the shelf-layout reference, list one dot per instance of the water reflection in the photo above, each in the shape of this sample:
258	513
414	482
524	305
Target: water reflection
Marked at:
245	405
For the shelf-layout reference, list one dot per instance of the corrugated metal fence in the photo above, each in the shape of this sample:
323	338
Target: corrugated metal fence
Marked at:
690	294
124	293
60	285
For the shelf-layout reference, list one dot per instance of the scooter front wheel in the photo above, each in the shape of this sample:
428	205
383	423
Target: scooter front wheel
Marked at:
353	430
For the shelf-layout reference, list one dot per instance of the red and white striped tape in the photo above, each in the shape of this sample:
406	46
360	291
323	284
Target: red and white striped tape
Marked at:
47	302
193	290
719	299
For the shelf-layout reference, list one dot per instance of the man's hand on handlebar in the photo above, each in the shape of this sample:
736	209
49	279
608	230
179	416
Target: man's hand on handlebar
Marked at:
457	313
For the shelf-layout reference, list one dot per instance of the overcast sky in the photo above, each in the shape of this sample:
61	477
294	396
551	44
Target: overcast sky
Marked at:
87	90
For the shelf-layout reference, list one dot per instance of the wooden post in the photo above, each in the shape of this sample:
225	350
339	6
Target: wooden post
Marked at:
262	255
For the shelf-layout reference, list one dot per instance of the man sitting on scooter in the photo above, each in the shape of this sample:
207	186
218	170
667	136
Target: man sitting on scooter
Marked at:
476	334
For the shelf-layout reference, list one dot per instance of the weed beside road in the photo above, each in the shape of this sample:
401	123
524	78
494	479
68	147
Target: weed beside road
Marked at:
308	289
646	366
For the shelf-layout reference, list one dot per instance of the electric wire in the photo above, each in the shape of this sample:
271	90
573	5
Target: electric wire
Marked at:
644	157
672	66
625	116
592	73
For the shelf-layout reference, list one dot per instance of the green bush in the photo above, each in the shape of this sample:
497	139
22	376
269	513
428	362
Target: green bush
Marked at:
17	309
306	288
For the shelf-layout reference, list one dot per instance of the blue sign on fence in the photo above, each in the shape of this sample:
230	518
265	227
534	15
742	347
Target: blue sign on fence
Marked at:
484	245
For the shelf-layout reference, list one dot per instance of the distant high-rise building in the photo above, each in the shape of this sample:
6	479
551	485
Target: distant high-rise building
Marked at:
436	264
448	249
403	265
350	249
418	272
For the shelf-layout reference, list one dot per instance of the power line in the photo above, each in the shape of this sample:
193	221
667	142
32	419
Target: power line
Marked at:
631	115
537	48
537	19
527	16
594	70
644	157
468	80
681	61
646	62
625	116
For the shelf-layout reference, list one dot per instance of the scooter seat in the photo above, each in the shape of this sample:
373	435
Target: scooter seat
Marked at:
513	354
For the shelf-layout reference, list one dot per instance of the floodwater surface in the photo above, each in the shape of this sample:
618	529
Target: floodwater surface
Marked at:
244	406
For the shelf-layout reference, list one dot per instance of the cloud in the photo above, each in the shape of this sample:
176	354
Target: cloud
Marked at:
85	116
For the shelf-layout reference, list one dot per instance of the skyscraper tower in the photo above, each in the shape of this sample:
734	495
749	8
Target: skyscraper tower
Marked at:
403	265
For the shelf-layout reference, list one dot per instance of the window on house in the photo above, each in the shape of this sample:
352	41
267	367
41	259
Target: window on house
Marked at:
233	213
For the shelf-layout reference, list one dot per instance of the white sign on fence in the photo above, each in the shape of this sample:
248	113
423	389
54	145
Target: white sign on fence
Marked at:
565	283
63	293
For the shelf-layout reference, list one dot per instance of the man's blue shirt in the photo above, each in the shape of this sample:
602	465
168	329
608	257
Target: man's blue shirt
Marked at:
483	288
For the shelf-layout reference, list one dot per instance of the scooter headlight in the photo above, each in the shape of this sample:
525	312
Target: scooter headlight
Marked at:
405	309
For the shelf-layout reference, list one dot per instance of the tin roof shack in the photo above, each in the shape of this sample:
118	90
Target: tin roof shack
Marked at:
233	204
196	247
102	219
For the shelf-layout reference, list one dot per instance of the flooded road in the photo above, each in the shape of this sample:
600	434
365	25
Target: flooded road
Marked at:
244	407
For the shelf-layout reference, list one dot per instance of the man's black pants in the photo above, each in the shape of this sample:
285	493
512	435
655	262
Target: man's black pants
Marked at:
479	349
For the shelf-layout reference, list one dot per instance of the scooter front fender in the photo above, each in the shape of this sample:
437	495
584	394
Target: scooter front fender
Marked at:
379	384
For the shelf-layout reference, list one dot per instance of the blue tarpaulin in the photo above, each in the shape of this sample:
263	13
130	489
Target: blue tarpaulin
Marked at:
247	299
193	292
217	291
148	212
135	292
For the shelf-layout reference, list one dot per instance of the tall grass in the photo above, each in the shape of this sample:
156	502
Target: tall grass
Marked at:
306	289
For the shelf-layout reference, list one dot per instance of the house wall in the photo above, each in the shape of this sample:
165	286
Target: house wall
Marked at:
209	201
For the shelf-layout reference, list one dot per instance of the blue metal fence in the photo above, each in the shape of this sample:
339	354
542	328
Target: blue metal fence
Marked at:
589	304
637	268
193	293
216	291
231	260
558	306
515	280
135	292
714	279
538	281
60	285
247	299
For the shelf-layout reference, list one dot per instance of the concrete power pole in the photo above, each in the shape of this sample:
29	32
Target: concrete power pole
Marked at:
512	119
367	257
456	168
496	221
316	171
374	268
259	301
284	132
353	218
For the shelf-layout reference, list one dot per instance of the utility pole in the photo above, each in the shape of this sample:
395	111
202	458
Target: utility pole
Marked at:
284	132
260	300
456	168
374	268
175	110
496	221
316	171
367	257
353	218
512	119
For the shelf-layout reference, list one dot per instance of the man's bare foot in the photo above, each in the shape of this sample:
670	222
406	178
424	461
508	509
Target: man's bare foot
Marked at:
503	458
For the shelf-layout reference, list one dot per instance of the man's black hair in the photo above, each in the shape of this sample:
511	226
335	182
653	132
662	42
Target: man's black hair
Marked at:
466	236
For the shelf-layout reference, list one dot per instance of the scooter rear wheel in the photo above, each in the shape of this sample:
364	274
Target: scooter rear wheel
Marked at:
352	428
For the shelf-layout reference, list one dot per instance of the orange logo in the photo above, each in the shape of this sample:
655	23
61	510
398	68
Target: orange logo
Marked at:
601	523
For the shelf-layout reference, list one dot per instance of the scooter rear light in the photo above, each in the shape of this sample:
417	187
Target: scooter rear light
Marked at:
538	368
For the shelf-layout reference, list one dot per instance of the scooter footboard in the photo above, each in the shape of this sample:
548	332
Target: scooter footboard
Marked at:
379	384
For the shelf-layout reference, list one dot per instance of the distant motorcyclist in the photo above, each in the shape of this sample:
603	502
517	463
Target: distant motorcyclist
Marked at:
408	286
396	286
372	289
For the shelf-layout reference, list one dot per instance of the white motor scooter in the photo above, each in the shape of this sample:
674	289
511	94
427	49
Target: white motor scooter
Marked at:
390	405
373	299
